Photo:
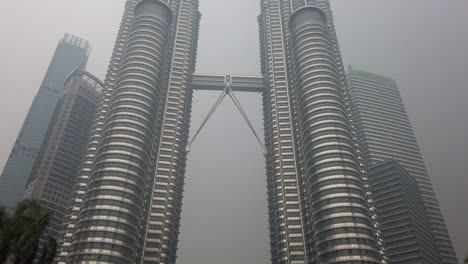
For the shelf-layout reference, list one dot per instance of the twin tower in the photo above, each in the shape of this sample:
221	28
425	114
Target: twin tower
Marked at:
127	203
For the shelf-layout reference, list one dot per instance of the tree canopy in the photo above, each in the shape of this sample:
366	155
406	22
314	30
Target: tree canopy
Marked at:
22	234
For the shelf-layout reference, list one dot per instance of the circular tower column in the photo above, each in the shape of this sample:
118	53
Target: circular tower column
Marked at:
342	229
110	221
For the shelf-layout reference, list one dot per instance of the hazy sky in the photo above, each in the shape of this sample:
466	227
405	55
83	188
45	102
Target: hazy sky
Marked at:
421	43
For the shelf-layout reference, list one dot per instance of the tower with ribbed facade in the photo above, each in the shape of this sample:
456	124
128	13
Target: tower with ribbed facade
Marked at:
128	198
83	175
146	94
320	203
121	177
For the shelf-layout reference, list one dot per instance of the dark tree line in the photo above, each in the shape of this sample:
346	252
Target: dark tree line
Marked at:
21	231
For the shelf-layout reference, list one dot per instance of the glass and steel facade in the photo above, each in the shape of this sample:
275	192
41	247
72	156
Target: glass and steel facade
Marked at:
71	53
53	176
320	203
114	204
406	230
385	133
165	202
85	169
130	185
127	203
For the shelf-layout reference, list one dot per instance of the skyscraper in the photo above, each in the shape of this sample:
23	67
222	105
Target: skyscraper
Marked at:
385	133
312	162
71	53
83	174
128	200
53	175
169	68
406	230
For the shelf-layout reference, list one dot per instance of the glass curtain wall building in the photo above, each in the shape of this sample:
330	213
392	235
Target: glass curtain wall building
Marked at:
71	53
53	176
127	202
386	133
406	230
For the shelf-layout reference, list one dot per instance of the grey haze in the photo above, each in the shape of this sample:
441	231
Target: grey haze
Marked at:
420	43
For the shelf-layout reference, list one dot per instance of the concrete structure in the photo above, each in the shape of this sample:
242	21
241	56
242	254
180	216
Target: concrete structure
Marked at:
71	53
406	230
53	176
385	133
127	203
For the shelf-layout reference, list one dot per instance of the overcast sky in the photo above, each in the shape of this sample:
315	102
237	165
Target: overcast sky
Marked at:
420	43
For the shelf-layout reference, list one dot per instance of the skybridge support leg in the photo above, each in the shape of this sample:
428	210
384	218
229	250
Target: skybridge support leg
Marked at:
210	113
246	118
227	92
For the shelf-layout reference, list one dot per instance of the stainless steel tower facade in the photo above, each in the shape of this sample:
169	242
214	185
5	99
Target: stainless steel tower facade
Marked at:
129	193
386	133
128	199
320	203
83	175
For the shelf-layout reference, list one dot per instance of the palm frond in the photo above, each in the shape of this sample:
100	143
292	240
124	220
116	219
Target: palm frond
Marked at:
7	235
27	225
50	251
27	257
3	217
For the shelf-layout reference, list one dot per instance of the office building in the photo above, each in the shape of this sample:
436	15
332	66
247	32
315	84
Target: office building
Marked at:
312	162
127	204
53	176
144	84
385	133
406	230
71	53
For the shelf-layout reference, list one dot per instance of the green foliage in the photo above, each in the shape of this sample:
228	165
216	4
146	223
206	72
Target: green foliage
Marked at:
49	252
21	231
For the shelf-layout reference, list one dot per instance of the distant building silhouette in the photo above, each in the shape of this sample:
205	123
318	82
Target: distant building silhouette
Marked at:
406	230
385	133
71	53
53	176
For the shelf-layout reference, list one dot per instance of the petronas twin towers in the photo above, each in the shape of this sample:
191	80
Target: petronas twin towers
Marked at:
127	203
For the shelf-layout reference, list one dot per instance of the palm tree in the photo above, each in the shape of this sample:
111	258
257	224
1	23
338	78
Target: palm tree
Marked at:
21	232
49	252
8	235
32	220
